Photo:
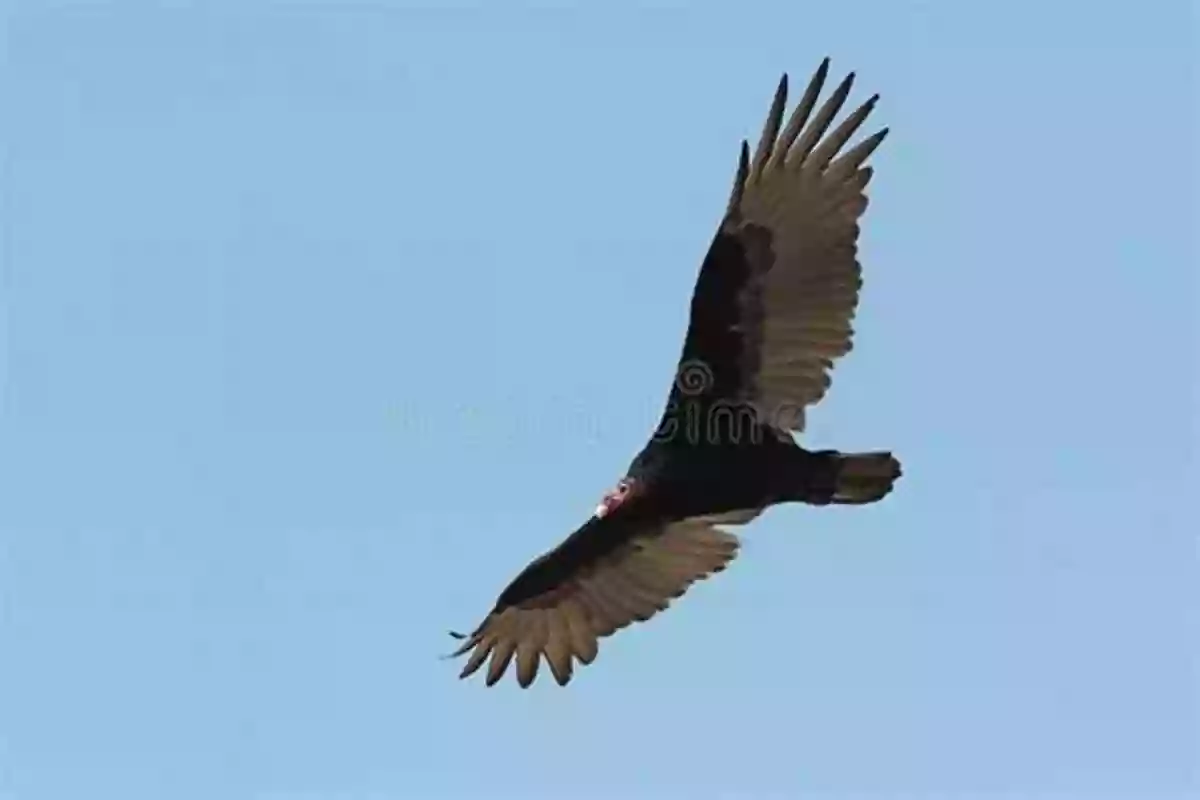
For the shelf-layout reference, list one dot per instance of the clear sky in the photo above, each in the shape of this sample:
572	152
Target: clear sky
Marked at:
320	320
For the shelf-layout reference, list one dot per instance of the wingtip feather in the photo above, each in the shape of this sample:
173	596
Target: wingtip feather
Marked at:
770	131
739	181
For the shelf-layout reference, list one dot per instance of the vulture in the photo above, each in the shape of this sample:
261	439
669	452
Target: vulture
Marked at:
771	311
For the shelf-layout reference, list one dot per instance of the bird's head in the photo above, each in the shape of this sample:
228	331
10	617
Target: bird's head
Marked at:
614	497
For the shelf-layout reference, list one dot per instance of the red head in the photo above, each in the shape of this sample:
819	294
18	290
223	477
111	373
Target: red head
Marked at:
614	497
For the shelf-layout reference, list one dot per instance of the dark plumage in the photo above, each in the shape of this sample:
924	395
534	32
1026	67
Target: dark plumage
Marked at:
771	310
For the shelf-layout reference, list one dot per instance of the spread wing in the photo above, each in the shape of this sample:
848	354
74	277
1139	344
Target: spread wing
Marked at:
592	585
778	289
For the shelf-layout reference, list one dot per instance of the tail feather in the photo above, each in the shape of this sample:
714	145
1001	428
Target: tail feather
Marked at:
864	477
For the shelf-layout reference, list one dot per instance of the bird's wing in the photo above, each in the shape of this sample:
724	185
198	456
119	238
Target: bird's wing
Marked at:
563	603
774	300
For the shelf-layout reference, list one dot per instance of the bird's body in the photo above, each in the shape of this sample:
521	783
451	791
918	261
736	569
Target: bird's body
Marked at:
770	312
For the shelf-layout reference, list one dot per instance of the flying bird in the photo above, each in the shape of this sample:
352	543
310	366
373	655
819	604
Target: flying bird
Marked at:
771	310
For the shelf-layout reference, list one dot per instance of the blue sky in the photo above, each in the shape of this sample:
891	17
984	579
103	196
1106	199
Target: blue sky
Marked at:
321	320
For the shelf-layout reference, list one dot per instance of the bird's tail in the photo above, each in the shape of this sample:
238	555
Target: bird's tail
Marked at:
848	478
864	477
